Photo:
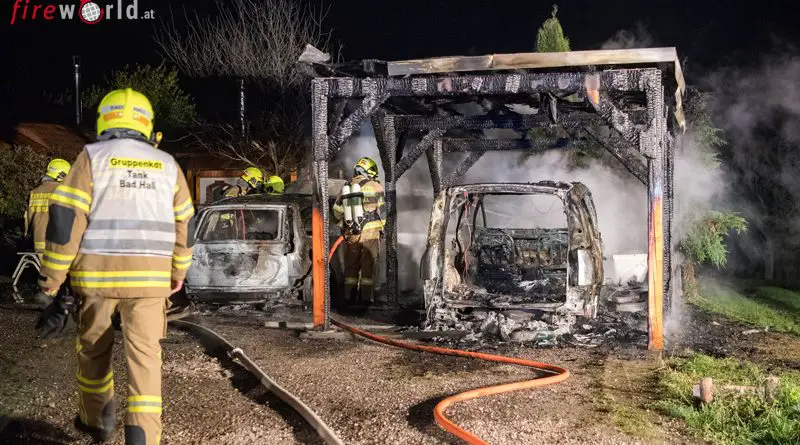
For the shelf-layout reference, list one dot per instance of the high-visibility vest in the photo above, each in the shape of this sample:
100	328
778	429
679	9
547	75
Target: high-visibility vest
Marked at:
125	171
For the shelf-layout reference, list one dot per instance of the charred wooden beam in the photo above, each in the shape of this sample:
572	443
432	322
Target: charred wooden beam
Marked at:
470	145
374	98
336	114
435	155
462	168
487	84
625	153
320	212
422	146
518	61
385	126
485	122
616	118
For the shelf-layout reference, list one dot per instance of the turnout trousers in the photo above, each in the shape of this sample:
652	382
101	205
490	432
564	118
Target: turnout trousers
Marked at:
360	256
143	326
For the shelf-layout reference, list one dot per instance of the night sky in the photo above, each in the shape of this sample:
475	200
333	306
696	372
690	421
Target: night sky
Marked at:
36	55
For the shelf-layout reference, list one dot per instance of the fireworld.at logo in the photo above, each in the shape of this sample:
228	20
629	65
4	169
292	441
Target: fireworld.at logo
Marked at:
88	11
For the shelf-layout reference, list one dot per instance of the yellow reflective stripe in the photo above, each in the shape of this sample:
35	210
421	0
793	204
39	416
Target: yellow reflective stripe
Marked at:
350	280
56	261
145	409
97	381
182	206
110	279
184	210
59	256
366	281
185	215
113	284
132	273
105	388
70	202
79	193
144	399
39	245
144	404
373	225
54	266
181	262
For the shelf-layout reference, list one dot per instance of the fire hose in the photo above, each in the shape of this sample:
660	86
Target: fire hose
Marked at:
557	374
323	430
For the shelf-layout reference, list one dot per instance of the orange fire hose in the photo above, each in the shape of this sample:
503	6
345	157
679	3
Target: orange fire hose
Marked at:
559	374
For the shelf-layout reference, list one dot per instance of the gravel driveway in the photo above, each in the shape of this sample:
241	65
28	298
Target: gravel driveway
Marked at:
368	393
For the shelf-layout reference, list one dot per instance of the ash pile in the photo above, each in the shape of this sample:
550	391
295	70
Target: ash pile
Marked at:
621	319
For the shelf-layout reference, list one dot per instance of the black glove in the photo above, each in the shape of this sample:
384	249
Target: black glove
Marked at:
54	317
42	299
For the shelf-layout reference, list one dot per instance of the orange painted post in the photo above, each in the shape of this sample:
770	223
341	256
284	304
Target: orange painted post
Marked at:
318	266
655	270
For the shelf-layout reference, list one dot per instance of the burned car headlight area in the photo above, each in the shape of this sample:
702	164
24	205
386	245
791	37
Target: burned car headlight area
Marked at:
497	260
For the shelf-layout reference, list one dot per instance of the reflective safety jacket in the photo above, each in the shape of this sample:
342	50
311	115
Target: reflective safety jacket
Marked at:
373	203
36	215
119	224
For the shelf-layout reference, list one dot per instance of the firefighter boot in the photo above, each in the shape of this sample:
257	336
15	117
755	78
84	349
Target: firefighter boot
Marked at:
108	418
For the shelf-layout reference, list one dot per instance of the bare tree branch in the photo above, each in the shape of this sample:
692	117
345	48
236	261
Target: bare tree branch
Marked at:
258	40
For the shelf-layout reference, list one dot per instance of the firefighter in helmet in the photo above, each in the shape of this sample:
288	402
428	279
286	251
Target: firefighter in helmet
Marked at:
274	185
251	182
360	211
36	215
119	225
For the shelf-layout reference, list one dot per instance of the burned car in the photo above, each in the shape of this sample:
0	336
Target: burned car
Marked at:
254	249
482	261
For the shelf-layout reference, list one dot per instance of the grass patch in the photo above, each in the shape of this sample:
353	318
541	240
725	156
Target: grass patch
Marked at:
629	420
731	419
768	306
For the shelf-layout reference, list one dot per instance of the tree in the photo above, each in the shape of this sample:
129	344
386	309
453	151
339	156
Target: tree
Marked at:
258	41
550	38
704	241
172	106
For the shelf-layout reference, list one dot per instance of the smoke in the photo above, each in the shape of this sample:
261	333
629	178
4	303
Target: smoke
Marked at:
759	110
639	37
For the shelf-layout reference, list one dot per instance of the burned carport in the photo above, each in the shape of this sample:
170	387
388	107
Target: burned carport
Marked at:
629	101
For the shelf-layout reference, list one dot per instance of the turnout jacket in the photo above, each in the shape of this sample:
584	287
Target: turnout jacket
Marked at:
36	216
373	203
119	223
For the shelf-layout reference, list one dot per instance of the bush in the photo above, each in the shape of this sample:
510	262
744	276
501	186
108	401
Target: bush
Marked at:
705	242
173	107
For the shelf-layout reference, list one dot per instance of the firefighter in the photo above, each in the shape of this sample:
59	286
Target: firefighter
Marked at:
36	215
251	182
119	224
360	210
274	185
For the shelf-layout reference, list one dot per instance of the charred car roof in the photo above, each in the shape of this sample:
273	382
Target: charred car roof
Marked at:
300	200
550	187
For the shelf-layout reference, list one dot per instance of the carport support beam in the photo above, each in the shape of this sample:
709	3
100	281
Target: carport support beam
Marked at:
319	216
653	142
385	130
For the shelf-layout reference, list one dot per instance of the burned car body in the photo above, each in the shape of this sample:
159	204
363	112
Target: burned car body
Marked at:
253	248
551	274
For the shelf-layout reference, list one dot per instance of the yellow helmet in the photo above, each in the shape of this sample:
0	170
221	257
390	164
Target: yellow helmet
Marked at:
274	185
367	167
125	110
58	169
253	176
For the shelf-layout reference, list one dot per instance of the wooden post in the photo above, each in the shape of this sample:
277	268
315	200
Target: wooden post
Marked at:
655	259
318	266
